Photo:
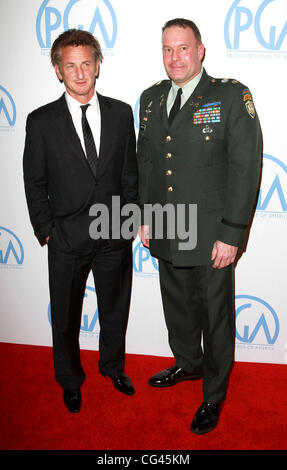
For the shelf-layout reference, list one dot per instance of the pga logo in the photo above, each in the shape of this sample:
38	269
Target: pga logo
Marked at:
136	113
256	25
144	264
89	323
273	190
96	16
11	249
256	321
7	109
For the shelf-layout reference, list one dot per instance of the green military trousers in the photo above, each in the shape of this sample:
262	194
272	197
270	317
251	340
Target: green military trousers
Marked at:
198	305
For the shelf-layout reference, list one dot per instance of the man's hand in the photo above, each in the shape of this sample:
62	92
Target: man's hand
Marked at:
223	254
144	235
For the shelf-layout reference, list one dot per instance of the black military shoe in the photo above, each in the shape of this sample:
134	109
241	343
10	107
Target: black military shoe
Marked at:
123	384
206	418
73	400
172	376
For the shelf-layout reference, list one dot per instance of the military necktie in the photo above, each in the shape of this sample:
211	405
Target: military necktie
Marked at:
91	151
176	106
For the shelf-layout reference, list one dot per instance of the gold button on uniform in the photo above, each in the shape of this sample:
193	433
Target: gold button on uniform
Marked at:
168	155
207	137
168	138
170	189
168	172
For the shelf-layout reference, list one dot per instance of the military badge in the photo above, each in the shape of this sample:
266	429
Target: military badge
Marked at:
250	108
246	95
194	104
207	130
148	110
210	112
145	118
247	98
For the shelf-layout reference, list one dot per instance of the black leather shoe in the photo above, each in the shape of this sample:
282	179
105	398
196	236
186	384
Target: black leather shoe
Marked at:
171	376
206	418
73	400
123	384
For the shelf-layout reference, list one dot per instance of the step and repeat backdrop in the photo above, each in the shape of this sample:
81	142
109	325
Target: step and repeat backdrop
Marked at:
245	40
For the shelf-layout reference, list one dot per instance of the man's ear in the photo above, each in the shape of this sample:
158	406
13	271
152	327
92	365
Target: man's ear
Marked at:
201	52
58	73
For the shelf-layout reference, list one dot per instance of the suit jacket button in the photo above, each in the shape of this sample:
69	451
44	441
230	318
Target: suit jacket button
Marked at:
170	189
168	138
168	172
168	155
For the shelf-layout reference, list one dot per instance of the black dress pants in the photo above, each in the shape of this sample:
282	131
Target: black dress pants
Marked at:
198	305
112	272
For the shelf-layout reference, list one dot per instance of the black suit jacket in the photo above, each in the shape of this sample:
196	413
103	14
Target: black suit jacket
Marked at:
60	187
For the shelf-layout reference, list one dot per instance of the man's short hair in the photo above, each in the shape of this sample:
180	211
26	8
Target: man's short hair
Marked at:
183	23
75	37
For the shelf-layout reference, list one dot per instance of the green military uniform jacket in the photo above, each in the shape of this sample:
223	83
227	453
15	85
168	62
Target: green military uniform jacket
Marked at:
210	156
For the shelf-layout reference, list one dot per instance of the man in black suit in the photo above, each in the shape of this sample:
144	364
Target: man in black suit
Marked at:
80	151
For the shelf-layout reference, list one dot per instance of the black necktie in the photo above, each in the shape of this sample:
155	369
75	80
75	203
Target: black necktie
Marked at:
91	150
176	106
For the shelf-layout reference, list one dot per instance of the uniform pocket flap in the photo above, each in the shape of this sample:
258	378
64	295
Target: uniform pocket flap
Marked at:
213	200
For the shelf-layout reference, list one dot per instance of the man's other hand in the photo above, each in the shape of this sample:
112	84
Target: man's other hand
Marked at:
144	235
223	254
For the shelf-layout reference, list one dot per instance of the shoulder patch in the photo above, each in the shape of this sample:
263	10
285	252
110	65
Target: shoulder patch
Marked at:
246	94
247	99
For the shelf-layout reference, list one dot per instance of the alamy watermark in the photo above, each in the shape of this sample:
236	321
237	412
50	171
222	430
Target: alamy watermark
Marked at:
171	221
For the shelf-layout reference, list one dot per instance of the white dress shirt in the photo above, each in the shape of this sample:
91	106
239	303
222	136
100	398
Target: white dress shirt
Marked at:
187	91
93	116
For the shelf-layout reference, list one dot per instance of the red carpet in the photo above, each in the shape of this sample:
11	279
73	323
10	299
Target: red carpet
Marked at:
33	415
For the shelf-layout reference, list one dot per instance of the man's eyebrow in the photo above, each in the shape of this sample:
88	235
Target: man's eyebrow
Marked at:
178	45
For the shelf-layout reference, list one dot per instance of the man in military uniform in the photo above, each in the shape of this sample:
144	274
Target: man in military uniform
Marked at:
199	144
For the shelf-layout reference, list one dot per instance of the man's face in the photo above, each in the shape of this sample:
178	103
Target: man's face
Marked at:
182	54
78	71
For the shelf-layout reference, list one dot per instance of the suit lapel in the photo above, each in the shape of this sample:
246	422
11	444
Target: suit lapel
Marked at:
105	108
161	105
65	125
